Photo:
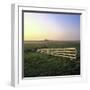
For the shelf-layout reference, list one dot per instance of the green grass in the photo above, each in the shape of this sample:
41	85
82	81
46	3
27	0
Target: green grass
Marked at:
37	64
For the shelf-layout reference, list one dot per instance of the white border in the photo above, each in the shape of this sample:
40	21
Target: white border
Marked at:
16	68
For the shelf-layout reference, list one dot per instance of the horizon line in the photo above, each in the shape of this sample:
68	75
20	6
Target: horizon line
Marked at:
50	40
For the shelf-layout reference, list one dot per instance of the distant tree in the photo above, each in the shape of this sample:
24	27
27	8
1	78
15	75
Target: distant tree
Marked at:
46	43
46	40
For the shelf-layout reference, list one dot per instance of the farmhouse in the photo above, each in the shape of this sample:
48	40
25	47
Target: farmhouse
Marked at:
61	52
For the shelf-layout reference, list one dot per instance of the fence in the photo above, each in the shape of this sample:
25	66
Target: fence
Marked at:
61	52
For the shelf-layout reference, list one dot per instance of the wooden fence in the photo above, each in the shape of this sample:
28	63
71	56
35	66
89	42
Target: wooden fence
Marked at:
61	52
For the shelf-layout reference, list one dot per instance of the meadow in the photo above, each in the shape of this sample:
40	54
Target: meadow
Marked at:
40	64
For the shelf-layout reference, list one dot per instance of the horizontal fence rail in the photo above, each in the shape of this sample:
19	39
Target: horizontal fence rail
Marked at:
61	52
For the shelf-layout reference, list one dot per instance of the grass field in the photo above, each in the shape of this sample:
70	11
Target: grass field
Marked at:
40	64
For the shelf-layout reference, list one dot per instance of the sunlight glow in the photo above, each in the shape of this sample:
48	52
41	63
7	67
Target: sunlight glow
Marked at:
41	26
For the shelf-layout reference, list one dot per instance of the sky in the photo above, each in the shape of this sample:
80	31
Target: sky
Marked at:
61	27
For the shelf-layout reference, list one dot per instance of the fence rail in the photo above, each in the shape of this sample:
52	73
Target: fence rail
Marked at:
61	52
